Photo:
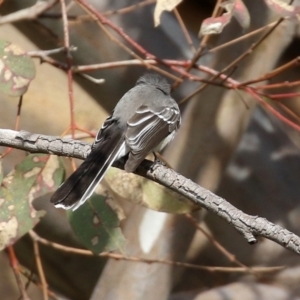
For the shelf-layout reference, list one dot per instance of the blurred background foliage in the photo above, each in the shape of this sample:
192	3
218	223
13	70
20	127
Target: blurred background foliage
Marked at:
227	143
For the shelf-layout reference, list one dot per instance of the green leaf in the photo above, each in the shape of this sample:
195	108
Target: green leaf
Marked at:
145	192
36	175
16	69
96	225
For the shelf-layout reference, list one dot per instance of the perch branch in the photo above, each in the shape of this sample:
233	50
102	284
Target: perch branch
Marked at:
249	226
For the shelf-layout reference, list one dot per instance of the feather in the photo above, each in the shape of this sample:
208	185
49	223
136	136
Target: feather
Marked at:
147	128
82	183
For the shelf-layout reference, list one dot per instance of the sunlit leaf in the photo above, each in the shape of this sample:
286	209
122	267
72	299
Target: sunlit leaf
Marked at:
36	175
283	8
96	224
161	6
147	193
16	69
234	8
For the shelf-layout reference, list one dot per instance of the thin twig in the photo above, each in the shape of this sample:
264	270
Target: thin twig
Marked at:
18	118
102	20
241	38
293	63
17	125
139	62
53	62
217	245
283	96
43	53
135	62
69	63
151	261
284	84
272	109
184	30
288	111
237	60
33	279
200	49
252	47
93	79
129	8
39	266
15	267
108	13
28	13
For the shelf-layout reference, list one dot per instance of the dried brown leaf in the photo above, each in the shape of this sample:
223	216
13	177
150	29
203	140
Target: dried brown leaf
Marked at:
234	8
161	6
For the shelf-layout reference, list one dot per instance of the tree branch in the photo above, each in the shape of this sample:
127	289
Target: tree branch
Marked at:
249	226
28	13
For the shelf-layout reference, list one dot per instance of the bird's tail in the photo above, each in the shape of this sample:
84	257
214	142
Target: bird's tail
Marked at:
83	182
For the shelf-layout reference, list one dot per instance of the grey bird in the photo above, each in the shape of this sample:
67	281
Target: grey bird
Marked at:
145	119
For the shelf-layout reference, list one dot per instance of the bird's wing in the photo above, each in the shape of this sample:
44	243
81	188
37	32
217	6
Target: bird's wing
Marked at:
147	128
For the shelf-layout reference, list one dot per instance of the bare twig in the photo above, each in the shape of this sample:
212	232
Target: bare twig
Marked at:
17	124
272	109
249	226
33	279
28	13
69	63
171	63
237	60
39	266
52	61
18	118
93	79
288	111
241	38
217	245
282	96
43	53
108	13
200	49
150	261
253	46
184	30
293	63
15	267
102	20
129	8
285	84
